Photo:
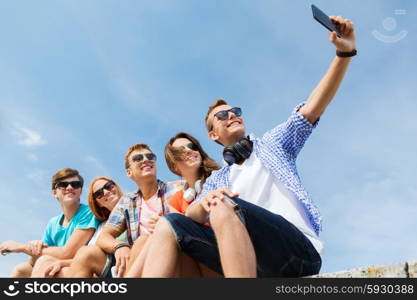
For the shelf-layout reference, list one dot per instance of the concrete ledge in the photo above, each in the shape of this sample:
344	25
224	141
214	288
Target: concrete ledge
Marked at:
412	269
400	270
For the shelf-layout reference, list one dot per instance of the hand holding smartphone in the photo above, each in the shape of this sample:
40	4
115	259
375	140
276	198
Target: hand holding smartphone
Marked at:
324	20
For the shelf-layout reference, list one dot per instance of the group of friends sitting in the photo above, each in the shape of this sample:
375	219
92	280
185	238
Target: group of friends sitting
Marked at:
252	217
195	227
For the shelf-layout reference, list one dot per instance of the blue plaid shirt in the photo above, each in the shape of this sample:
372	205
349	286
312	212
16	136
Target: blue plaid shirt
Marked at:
278	149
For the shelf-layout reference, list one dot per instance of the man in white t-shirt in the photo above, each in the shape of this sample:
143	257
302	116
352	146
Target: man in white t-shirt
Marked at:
274	231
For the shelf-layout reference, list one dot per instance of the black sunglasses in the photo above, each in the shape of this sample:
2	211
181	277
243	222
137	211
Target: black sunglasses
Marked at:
190	146
224	114
65	184
140	157
100	192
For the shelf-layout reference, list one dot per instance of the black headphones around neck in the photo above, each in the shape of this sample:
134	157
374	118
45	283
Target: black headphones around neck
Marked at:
238	152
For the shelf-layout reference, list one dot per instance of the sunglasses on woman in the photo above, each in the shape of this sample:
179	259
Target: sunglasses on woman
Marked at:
65	184
100	192
224	114
140	157
190	146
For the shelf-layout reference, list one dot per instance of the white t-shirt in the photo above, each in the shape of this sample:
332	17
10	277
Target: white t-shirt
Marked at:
255	184
96	234
149	208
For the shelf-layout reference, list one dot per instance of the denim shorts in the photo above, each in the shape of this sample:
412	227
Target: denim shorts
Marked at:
109	264
281	249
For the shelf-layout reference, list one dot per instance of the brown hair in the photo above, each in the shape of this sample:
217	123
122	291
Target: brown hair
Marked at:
173	154
64	174
133	148
217	102
101	213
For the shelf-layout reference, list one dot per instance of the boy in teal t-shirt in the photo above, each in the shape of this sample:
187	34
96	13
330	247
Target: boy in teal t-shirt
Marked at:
58	235
67	232
64	234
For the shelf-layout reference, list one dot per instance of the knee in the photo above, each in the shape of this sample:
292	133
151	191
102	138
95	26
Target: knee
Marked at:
223	215
19	268
87	253
163	229
41	263
44	259
22	270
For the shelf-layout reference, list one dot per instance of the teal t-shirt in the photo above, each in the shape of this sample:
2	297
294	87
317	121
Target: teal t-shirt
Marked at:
57	235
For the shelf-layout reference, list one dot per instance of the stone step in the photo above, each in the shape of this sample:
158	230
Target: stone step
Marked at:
399	270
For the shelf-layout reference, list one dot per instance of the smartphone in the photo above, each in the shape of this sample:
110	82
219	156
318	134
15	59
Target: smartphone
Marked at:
324	19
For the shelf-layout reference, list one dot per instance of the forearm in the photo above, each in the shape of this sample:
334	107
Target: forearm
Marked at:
321	96
59	252
14	247
107	242
21	248
197	213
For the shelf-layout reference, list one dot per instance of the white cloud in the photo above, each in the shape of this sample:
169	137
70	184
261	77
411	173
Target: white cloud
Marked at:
98	167
37	176
32	157
27	137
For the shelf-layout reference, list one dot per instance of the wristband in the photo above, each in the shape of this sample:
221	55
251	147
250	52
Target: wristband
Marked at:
121	245
346	54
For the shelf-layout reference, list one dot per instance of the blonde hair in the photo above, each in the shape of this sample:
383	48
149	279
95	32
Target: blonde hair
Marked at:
217	102
133	148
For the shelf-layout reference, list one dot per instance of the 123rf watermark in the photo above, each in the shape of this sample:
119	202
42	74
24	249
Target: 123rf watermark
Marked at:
62	288
365	289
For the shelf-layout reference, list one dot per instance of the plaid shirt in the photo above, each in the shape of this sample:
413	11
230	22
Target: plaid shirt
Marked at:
278	150
125	216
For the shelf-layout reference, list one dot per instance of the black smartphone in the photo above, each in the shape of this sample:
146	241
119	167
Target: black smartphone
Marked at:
324	19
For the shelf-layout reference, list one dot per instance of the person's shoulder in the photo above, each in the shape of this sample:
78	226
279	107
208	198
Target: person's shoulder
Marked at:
177	196
85	216
174	185
126	198
54	220
84	212
218	173
84	208
170	188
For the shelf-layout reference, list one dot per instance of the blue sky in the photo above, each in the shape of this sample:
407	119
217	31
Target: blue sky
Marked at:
80	81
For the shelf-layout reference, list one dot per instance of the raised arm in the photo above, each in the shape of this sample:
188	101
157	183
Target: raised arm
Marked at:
321	96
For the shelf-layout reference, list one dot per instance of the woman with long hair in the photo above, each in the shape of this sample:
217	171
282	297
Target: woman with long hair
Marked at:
186	158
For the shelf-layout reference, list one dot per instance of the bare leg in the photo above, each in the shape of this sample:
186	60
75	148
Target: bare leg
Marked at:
186	266
206	272
136	265
22	270
41	265
88	261
161	260
237	254
63	273
138	247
